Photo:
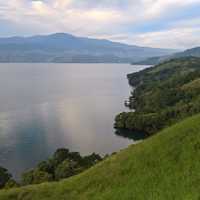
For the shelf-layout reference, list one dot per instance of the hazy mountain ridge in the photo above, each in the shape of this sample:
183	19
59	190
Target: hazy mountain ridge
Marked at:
63	47
189	52
194	52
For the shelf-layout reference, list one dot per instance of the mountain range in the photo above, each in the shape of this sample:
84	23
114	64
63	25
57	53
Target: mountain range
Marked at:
63	47
194	52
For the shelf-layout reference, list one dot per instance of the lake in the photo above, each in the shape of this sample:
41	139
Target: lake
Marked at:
47	106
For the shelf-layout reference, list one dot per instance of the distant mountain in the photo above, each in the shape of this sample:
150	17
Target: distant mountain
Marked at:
63	47
194	52
151	61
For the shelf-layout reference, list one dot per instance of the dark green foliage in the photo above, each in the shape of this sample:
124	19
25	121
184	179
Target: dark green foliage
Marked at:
4	177
90	160
35	176
66	169
46	166
60	155
62	164
11	183
163	94
74	156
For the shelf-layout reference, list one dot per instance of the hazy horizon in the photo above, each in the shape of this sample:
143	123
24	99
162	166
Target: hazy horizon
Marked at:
154	23
78	36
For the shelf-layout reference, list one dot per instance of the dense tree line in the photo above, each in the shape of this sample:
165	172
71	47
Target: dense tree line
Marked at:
62	164
6	180
163	95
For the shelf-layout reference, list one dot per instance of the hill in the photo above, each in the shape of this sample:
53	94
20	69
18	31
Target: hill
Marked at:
165	166
152	60
163	95
194	52
63	47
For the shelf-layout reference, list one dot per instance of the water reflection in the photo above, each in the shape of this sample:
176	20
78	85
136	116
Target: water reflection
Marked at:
134	135
47	106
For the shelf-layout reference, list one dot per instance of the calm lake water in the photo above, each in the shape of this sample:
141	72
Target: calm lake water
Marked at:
47	106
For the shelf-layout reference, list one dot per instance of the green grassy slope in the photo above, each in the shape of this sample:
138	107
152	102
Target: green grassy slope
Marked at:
165	166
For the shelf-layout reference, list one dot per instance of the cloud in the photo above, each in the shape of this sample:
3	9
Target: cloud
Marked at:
120	20
177	38
180	35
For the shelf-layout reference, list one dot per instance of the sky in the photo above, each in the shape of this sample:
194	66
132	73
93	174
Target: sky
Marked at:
156	23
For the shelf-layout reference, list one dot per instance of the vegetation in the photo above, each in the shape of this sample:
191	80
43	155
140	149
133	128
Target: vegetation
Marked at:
163	95
195	52
5	176
164	166
62	164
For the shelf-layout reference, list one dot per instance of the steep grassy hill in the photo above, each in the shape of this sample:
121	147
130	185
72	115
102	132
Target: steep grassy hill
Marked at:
165	166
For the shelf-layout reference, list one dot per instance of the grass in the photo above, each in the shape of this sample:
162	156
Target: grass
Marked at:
195	84
165	166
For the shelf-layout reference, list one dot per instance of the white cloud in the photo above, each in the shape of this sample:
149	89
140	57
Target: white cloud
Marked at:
179	38
155	8
105	18
182	35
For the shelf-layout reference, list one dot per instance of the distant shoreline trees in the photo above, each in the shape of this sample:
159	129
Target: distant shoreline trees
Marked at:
163	95
62	164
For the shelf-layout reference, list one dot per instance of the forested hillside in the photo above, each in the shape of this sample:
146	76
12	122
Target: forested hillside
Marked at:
163	95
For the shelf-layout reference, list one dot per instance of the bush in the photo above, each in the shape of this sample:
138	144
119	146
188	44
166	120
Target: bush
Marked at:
62	164
35	177
66	169
4	177
11	184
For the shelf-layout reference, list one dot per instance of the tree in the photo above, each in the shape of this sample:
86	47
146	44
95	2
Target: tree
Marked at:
88	161
11	184
66	169
35	177
4	176
61	165
75	156
46	166
60	155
